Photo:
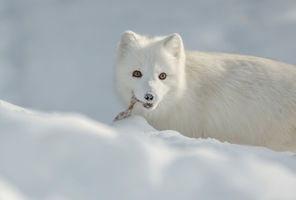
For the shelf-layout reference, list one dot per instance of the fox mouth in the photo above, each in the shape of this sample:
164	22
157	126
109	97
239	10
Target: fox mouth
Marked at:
145	104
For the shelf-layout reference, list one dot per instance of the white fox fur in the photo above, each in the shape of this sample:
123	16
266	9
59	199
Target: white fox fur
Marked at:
234	98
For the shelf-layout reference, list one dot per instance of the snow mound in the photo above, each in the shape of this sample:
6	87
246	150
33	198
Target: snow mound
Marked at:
69	156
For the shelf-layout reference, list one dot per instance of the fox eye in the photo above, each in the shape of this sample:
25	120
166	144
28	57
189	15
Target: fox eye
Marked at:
137	74
162	76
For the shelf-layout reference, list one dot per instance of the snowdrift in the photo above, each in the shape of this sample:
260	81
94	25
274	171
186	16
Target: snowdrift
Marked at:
69	156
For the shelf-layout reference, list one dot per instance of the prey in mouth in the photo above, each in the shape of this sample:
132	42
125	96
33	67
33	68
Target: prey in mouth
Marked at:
128	112
145	104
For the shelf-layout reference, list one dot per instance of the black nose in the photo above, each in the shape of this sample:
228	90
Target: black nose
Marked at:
148	97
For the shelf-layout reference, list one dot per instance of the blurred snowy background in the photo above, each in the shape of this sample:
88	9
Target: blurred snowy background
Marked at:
58	55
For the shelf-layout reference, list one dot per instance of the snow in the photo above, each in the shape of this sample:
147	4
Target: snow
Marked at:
70	156
58	55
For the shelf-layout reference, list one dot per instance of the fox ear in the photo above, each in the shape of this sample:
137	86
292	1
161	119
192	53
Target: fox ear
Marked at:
127	38
174	44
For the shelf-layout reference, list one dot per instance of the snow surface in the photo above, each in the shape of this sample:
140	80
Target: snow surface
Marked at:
69	156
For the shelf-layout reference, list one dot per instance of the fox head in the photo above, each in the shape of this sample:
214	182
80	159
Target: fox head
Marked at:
151	69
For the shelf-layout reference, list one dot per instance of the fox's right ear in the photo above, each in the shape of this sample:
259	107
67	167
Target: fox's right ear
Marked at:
174	44
128	39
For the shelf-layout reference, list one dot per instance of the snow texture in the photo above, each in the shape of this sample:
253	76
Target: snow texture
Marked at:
69	156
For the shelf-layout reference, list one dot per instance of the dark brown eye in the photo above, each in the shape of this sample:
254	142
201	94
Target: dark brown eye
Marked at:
162	76
137	74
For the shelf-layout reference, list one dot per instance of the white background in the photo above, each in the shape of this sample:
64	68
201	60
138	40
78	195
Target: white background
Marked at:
58	55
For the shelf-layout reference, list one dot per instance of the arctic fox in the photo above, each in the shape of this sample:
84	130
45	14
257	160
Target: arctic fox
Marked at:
234	98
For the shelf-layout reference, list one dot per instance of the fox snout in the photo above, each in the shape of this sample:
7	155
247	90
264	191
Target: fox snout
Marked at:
148	97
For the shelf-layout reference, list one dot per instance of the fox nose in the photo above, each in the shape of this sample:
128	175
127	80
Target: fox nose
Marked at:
148	97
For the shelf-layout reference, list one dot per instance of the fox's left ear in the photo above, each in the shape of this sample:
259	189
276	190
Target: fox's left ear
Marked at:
128	39
174	44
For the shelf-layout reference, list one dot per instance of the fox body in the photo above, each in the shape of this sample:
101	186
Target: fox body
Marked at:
234	98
